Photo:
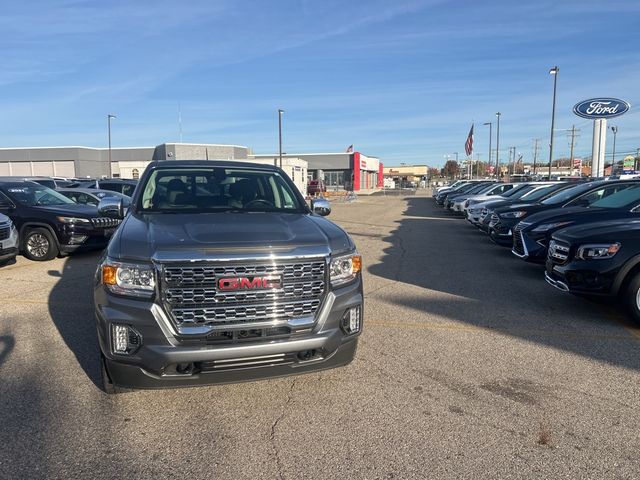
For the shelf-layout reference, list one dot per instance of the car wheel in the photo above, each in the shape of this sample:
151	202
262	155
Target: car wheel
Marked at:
39	245
632	298
107	385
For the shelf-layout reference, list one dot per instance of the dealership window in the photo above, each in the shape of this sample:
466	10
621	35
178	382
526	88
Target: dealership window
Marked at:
334	179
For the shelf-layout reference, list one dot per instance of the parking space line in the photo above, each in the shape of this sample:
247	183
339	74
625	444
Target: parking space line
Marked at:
471	328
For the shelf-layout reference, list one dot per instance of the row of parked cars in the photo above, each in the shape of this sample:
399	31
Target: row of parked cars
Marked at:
586	233
43	217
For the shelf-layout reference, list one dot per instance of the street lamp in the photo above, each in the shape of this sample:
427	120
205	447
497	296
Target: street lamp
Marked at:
554	71
490	137
614	129
280	112
498	145
109	117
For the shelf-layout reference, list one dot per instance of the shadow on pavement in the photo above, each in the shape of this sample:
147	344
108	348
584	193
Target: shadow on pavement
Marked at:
6	345
485	286
71	309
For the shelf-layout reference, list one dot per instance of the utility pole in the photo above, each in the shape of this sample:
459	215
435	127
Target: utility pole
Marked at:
554	71
477	165
535	154
280	112
498	146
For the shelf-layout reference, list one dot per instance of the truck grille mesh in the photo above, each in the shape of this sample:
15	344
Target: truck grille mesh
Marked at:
192	299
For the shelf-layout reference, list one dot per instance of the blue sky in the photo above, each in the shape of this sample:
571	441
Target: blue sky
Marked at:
401	80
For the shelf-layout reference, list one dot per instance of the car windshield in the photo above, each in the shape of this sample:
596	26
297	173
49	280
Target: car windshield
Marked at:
627	198
34	194
540	192
215	189
567	194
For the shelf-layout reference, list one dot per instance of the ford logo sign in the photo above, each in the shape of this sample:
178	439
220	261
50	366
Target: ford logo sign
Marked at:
601	108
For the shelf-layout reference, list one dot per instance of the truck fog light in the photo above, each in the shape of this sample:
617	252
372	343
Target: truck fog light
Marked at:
351	320
124	339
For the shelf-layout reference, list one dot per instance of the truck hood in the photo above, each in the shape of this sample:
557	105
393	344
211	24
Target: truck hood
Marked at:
226	235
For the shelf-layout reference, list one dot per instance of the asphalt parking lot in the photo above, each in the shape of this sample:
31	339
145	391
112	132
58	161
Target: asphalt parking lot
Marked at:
470	366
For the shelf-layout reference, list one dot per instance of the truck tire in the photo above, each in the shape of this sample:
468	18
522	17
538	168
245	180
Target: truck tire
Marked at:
39	245
107	385
632	298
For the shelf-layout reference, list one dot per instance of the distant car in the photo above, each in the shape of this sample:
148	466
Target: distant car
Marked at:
503	220
316	187
599	259
614	200
49	223
50	182
8	239
88	196
120	185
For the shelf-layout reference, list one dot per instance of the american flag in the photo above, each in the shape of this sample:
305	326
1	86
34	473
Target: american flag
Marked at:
468	145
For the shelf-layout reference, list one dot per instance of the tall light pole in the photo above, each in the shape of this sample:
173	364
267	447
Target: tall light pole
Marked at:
109	117
498	146
490	137
614	129
554	71
280	112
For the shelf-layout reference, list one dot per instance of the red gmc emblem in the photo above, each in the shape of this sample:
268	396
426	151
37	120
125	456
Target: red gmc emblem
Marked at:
270	282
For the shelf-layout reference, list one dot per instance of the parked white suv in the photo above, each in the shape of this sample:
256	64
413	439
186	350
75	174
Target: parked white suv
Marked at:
8	240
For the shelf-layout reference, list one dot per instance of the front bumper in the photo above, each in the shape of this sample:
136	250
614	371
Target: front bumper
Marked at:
153	364
75	238
587	277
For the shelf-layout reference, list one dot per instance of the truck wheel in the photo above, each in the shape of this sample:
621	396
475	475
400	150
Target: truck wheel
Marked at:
632	298
107	385
39	245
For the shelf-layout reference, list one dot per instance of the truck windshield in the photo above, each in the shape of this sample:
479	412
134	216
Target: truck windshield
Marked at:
34	194
196	190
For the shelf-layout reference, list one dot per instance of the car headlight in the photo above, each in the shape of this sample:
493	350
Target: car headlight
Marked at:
344	269
598	251
514	214
129	279
73	220
545	227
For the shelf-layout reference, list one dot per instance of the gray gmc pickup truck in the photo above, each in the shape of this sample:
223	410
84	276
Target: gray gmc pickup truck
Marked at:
220	272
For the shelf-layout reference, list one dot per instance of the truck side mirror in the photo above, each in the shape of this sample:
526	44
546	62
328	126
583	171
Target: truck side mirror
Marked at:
320	206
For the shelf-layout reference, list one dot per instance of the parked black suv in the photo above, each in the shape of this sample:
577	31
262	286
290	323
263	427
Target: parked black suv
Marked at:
614	200
503	220
598	259
49	223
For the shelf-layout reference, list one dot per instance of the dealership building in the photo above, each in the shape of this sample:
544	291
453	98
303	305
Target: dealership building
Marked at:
340	171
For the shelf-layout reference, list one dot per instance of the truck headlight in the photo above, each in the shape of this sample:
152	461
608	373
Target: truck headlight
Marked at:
598	251
344	269
74	220
129	279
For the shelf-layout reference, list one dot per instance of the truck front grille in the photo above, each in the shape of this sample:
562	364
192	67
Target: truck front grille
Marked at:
196	304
